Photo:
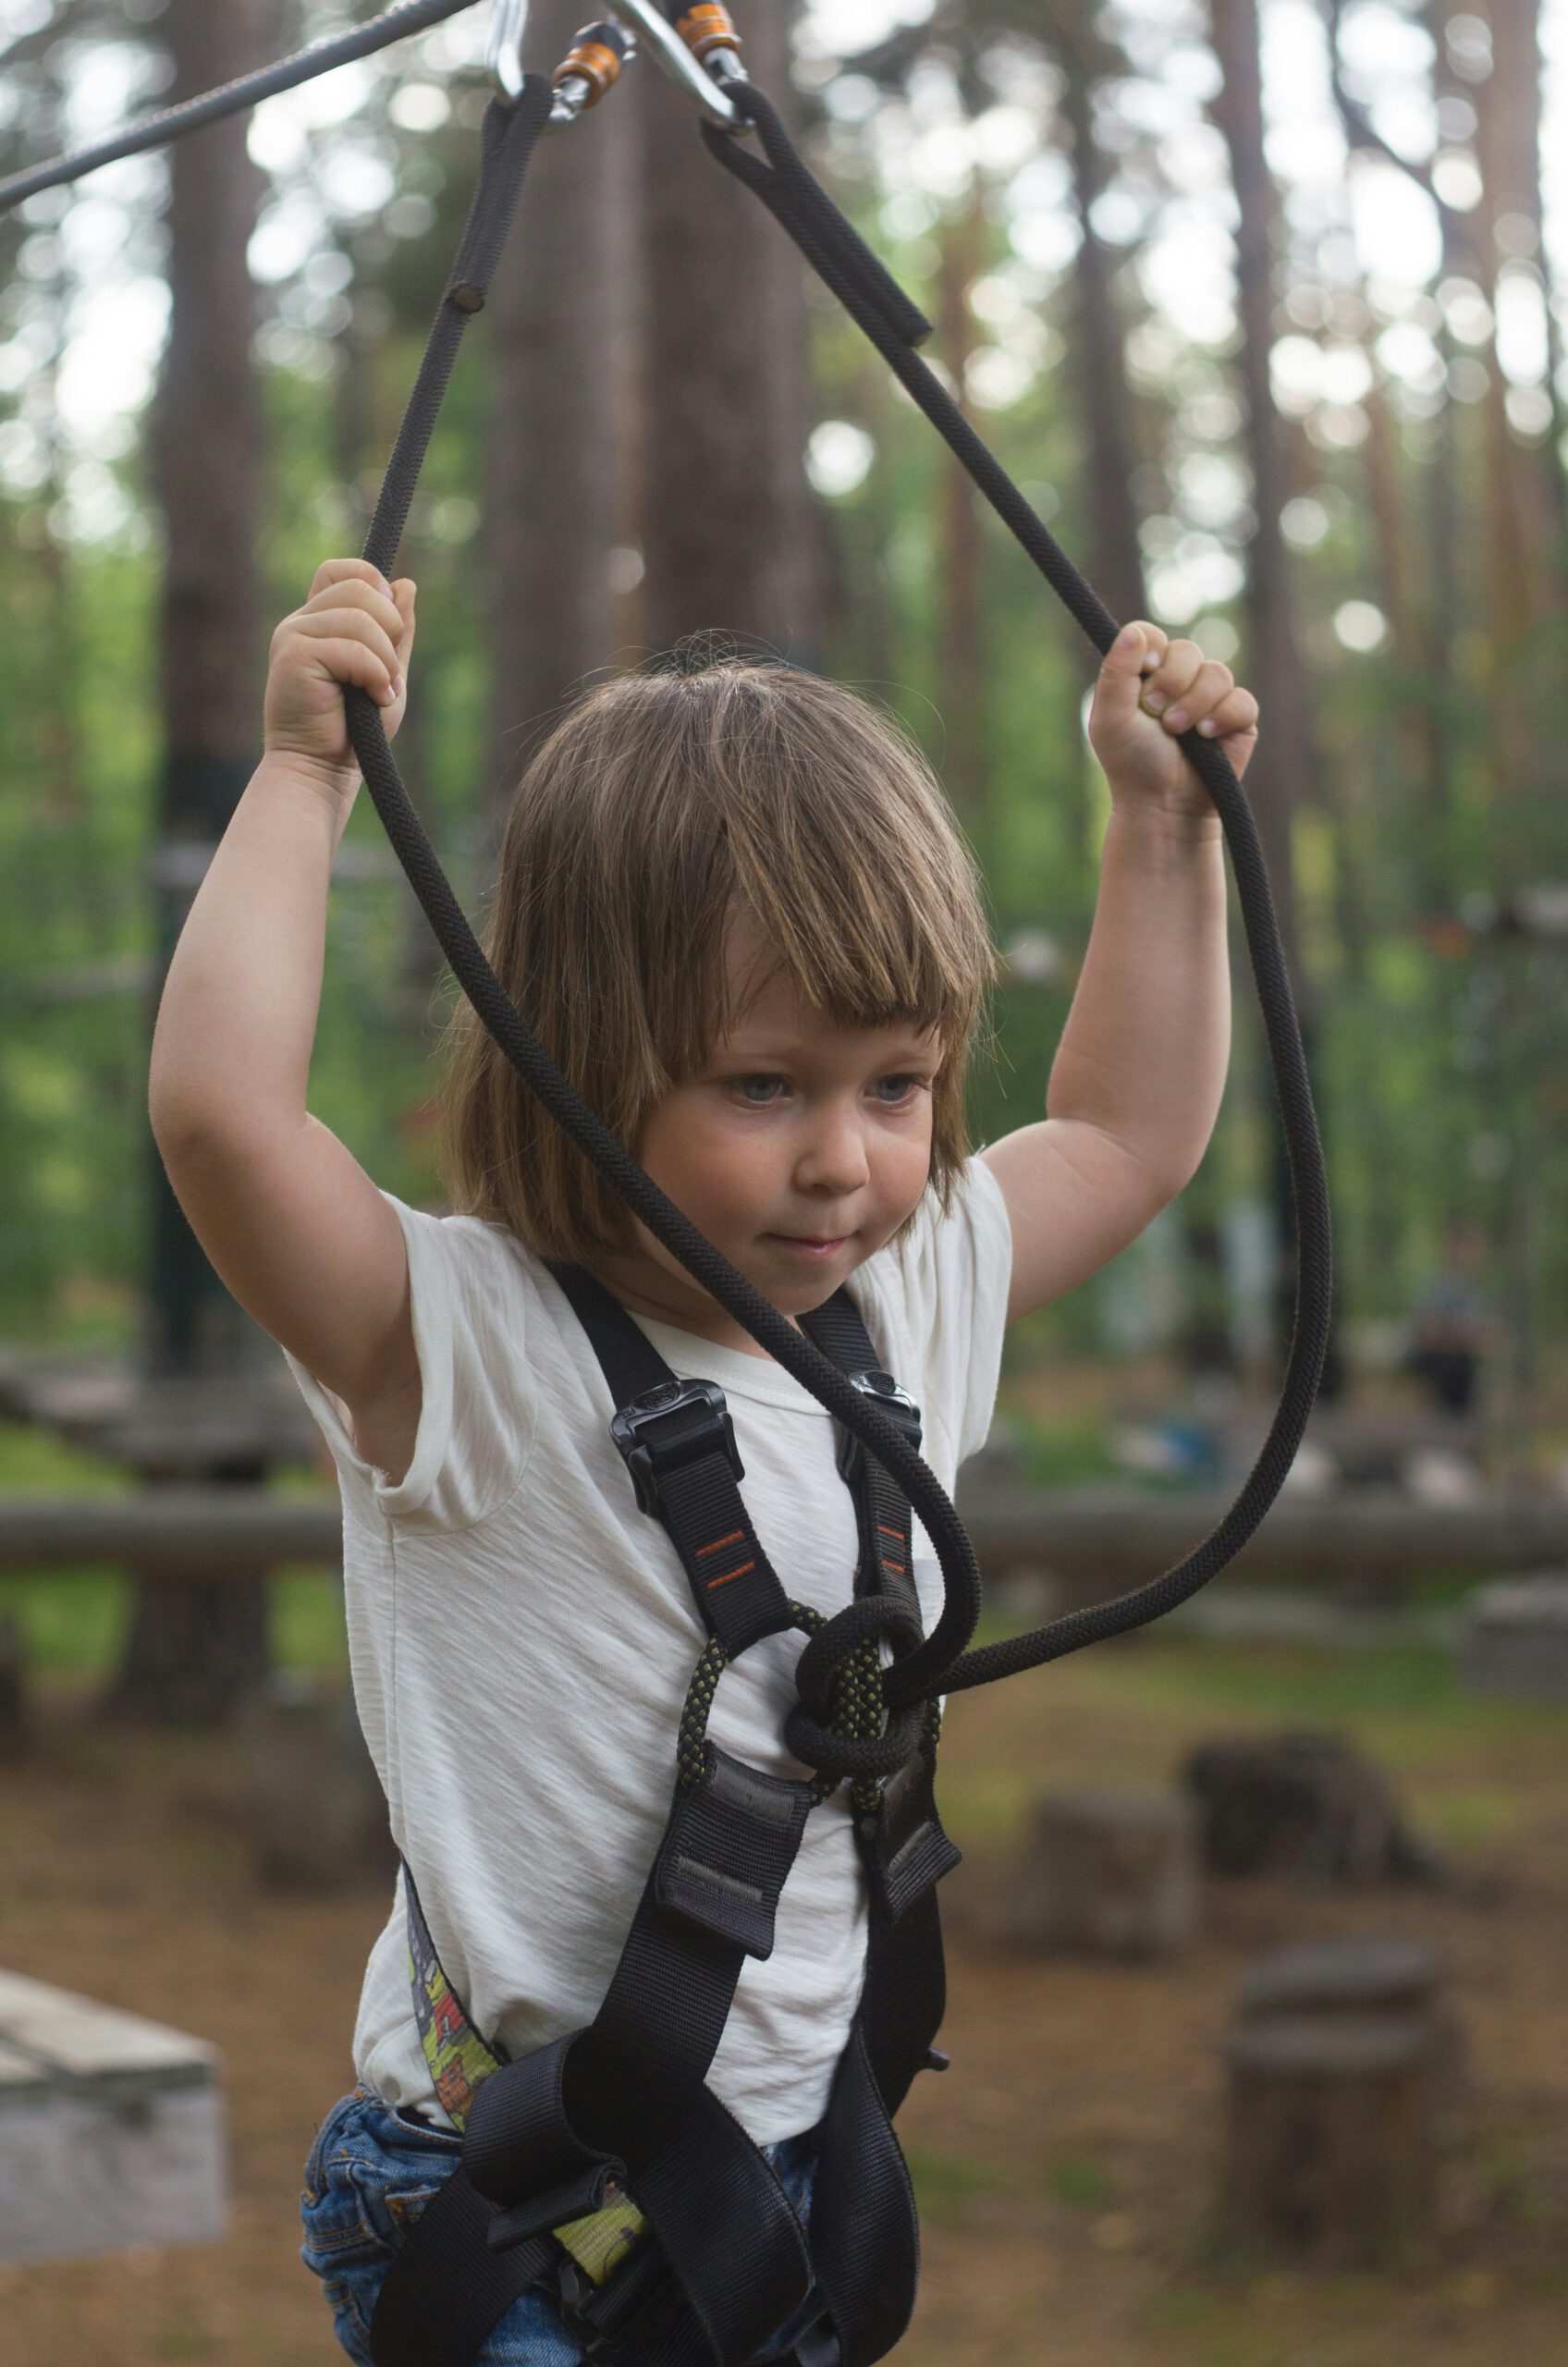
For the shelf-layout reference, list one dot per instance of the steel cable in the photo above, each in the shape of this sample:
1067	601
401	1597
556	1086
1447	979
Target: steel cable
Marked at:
318	57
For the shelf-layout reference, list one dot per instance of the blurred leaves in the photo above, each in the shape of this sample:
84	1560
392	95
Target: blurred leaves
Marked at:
1425	544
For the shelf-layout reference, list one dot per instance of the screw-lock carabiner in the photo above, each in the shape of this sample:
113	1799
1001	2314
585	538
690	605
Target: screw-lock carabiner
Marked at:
699	81
583	78
504	56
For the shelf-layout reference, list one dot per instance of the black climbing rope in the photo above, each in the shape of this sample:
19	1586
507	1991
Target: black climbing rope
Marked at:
511	127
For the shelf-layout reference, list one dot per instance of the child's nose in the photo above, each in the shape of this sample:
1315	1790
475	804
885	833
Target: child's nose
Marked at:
834	1155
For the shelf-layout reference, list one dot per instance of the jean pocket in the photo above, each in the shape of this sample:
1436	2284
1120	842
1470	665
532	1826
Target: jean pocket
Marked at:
354	2220
332	2128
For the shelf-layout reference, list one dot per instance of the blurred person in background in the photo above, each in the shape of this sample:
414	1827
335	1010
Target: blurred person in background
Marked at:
1453	1323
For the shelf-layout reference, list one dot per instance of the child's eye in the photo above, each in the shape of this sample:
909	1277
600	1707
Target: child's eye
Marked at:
893	1091
759	1090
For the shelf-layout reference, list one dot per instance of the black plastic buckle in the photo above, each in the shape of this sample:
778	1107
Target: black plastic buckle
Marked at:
888	1398
635	1430
616	2324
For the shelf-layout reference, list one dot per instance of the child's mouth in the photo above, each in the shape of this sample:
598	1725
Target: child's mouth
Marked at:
807	1248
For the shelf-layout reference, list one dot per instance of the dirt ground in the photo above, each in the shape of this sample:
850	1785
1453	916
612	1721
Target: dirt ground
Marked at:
1063	2163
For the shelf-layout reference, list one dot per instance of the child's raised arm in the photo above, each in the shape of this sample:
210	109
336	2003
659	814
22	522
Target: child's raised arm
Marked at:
289	1219
1136	1084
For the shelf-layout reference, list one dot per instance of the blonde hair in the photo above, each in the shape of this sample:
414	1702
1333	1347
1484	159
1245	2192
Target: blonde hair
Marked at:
662	805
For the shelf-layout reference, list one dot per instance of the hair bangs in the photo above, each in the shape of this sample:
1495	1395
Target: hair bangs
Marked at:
663	806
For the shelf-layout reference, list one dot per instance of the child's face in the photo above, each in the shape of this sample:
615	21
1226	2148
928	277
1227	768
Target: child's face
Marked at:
799	1150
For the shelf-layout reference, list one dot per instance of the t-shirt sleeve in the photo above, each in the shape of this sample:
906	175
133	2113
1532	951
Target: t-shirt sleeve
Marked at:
941	1295
469	1299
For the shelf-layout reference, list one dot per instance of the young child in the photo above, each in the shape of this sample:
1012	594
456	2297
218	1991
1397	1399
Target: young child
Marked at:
736	910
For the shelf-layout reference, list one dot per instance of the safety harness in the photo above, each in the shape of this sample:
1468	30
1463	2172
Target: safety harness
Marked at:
709	2259
602	2167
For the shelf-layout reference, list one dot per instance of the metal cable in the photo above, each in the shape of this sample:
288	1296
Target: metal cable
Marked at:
318	57
893	324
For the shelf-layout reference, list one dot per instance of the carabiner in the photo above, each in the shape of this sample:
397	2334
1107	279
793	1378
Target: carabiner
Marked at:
504	58
699	83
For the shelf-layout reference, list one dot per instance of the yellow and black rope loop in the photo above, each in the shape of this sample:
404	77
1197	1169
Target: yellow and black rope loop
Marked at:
857	1707
858	1712
691	1746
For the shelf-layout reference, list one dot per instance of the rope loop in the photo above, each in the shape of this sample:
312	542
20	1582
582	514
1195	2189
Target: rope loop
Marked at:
828	1659
834	1755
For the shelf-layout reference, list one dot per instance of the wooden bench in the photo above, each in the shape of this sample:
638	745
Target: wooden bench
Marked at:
111	2129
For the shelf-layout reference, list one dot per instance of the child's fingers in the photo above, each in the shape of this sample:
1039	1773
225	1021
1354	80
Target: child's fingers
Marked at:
355	661
1136	646
1178	668
348	571
1197	702
359	625
353	593
403	593
1237	711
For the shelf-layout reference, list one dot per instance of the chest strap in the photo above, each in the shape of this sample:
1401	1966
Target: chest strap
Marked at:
677	1442
552	2142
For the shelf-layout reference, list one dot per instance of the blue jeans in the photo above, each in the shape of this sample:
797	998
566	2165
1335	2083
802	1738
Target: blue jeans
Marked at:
372	2171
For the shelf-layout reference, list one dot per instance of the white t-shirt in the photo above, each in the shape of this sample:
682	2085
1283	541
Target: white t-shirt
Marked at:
521	1639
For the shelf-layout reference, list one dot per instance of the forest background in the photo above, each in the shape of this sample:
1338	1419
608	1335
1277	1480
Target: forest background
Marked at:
1259	305
1260	300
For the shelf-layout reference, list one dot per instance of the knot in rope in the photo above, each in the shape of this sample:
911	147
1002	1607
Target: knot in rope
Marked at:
837	1723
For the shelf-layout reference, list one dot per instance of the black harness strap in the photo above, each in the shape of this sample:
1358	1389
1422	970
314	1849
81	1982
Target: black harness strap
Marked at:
622	2104
678	1444
445	2288
894	326
712	1893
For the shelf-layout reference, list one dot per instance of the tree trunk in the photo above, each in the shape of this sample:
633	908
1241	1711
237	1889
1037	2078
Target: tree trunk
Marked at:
192	1651
1282	781
1116	558
725	502
1099	375
1328	2161
961	638
1275	669
558	307
1527	498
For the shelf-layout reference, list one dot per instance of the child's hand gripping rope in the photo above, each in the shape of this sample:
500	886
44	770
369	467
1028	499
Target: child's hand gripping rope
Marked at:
352	628
1150	690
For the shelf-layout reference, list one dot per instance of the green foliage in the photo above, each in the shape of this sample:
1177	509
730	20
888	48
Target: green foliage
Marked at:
74	1621
1081	2182
949	2187
1439	1073
1067	1451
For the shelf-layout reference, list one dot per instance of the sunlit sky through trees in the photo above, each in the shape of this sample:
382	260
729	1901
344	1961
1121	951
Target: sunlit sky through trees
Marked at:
89	285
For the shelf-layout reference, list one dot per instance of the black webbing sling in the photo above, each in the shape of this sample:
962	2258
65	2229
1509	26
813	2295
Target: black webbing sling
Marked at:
887	316
621	2106
894	326
533	2133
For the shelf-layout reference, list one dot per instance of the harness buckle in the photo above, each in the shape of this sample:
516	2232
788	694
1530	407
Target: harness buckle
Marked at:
676	1423
614	2323
889	1399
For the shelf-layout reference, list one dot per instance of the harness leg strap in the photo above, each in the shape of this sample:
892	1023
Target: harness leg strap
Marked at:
864	2235
443	2292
